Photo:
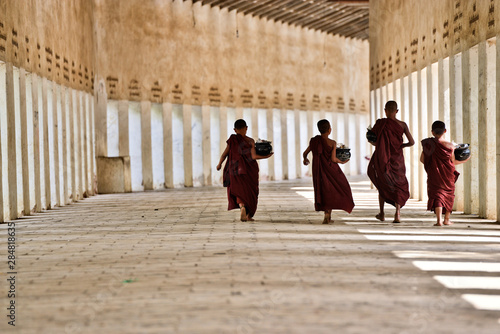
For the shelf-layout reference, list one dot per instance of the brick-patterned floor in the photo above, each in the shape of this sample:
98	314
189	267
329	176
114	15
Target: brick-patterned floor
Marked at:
176	261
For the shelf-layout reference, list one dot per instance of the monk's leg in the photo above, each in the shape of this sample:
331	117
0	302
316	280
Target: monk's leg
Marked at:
397	215
243	211
447	218
380	216
439	216
328	216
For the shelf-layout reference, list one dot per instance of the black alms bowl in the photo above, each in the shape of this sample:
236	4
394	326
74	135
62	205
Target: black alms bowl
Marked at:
371	136
343	154
462	152
263	149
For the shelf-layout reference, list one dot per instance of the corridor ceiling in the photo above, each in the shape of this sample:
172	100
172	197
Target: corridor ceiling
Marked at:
347	18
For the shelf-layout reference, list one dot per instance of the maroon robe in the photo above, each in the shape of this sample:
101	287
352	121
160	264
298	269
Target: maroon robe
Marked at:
242	174
387	166
331	189
441	174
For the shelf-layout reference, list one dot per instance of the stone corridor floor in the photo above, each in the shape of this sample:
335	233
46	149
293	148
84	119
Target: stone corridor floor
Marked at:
176	261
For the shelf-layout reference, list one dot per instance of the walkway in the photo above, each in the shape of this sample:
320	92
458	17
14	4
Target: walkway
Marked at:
176	261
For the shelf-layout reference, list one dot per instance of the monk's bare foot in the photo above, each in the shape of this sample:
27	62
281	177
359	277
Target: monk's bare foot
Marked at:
447	222
437	224
243	214
250	219
325	220
380	217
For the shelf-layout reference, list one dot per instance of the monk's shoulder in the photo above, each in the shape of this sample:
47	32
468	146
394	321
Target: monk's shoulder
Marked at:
448	144
402	124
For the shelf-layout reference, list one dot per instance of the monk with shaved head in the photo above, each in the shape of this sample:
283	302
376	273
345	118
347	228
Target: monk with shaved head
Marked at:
241	173
387	166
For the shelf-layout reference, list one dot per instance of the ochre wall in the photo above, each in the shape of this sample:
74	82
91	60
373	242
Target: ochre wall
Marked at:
179	52
52	38
406	36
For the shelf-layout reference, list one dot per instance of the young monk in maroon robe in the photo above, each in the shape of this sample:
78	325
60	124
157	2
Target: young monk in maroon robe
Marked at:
241	173
387	166
331	189
439	162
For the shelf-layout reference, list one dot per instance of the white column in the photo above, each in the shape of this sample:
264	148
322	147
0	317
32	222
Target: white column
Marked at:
469	121
3	128
486	130
147	159
298	153
239	113
422	131
497	108
123	129
414	111
356	146
35	81
92	145
64	110
72	116
168	145
188	146
456	130
404	111
11	142
79	135
85	138
284	143
347	169
24	143
56	93
270	136
206	147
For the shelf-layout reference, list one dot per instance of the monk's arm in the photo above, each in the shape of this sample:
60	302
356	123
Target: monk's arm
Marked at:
456	162
410	142
223	157
255	156
422	157
334	155
304	155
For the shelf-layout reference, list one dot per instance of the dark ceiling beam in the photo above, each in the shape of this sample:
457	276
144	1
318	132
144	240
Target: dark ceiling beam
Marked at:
274	9
336	21
341	27
344	17
350	29
326	20
263	7
304	15
297	9
250	5
311	16
235	5
351	2
206	2
219	3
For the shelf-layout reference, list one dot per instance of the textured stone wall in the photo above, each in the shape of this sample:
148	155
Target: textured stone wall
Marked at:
51	38
406	36
179	52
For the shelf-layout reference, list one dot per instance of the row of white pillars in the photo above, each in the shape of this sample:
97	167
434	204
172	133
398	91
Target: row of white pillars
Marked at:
461	91
182	144
46	143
